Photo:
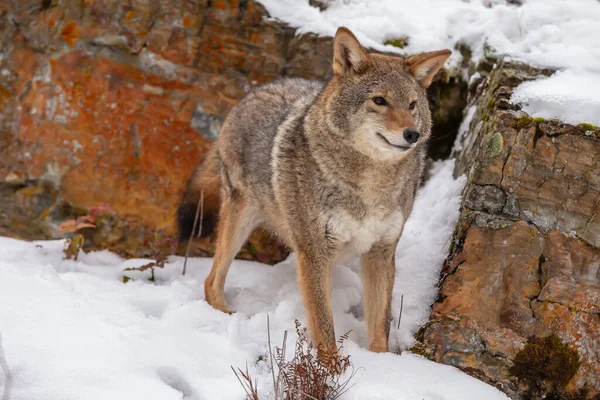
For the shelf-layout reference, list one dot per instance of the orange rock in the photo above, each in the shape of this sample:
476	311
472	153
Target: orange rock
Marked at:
118	135
69	33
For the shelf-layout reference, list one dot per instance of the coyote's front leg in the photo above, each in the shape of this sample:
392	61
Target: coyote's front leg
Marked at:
314	279
237	219
378	271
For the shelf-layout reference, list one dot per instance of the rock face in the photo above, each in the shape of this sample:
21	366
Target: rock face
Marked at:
111	102
525	258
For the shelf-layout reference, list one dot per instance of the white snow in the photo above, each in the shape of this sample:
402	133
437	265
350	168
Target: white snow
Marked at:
559	34
464	128
570	96
73	330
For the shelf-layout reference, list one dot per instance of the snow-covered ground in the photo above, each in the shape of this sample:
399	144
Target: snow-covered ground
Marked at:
559	34
73	330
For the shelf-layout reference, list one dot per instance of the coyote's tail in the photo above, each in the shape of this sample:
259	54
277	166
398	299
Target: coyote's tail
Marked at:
205	183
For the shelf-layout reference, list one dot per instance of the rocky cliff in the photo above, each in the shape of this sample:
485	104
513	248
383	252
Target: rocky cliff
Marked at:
111	102
519	296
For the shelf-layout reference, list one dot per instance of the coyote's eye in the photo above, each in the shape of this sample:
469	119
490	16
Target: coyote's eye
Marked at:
412	106
380	101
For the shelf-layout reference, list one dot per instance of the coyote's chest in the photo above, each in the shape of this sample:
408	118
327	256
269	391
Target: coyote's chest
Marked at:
357	236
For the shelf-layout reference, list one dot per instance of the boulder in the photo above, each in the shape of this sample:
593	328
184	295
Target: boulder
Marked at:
524	264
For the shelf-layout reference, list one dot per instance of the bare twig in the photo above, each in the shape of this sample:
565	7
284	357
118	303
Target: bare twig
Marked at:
283	349
249	386
201	212
187	250
7	374
401	305
271	356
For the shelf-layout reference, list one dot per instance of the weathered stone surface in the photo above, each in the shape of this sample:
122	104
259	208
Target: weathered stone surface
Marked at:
549	171
110	102
525	259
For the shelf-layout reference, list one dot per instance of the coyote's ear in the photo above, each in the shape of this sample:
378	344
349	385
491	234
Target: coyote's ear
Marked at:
424	66
348	54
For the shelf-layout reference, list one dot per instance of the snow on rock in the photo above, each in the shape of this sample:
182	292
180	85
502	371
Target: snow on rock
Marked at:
558	34
464	128
570	96
73	330
548	33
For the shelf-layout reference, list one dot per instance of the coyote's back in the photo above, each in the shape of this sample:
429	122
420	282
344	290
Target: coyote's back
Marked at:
246	141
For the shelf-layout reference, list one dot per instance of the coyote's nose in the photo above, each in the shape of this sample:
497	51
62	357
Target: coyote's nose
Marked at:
411	135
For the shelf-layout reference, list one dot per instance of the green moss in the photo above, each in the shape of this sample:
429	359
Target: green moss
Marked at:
400	42
523	122
588	127
491	105
487	110
419	349
494	145
545	362
420	334
538	120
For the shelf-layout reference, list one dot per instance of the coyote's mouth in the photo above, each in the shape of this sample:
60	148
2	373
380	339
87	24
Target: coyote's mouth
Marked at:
392	144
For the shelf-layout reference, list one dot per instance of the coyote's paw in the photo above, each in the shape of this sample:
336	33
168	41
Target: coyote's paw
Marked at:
222	308
217	301
380	346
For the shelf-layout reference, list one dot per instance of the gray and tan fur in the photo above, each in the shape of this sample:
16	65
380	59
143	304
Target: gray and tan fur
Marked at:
331	169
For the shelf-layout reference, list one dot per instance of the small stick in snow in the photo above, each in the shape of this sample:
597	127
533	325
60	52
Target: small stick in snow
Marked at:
249	387
283	347
271	356
199	210
400	315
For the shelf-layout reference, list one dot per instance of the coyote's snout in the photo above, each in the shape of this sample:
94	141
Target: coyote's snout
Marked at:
332	169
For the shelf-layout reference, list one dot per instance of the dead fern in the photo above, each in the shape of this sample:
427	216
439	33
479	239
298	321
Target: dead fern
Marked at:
306	376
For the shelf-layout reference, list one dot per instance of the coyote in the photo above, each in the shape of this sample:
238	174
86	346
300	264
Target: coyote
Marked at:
331	169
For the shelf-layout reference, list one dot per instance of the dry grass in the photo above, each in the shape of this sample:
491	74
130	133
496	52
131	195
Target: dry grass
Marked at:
247	383
305	376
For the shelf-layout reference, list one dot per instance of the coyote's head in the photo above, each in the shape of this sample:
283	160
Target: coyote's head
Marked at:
378	103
